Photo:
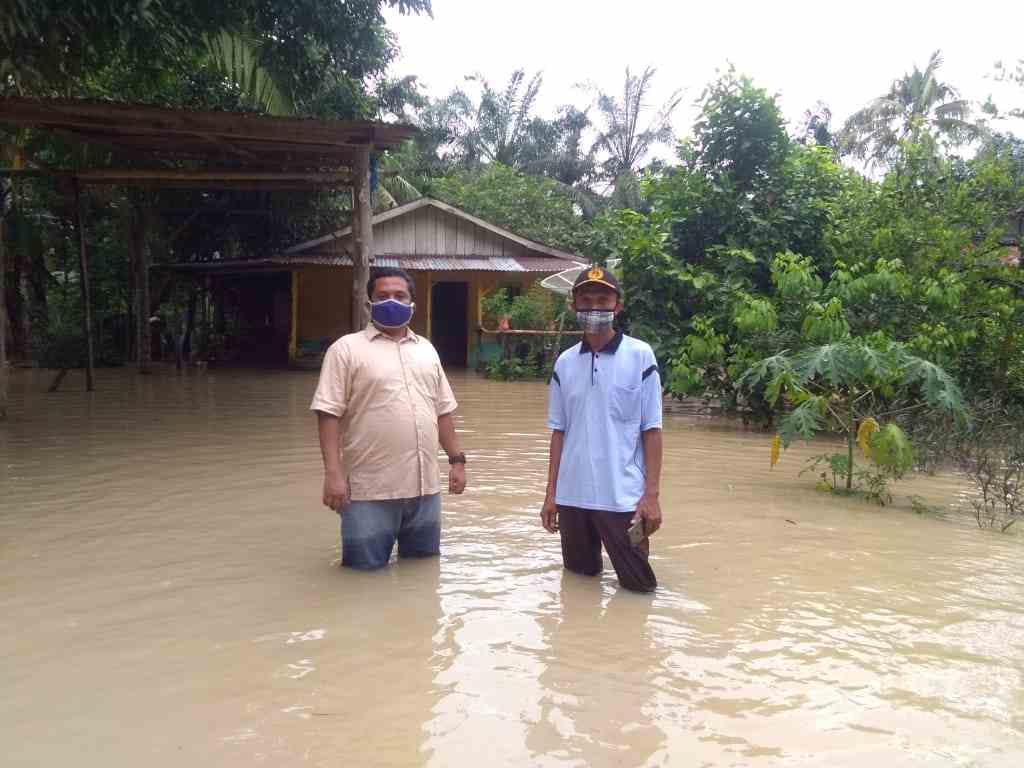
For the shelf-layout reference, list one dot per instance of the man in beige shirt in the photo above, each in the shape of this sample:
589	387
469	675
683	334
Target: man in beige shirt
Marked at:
383	403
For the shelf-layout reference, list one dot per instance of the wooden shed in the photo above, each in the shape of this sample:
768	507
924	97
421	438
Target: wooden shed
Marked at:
297	303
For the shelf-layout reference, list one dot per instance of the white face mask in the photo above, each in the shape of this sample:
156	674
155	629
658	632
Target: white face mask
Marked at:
595	320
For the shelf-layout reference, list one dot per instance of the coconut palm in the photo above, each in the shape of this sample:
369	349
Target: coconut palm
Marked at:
916	104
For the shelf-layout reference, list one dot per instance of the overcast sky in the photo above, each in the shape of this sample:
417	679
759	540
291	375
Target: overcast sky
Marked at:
842	53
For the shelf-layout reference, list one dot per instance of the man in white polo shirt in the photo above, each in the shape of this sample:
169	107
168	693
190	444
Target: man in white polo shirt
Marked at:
604	470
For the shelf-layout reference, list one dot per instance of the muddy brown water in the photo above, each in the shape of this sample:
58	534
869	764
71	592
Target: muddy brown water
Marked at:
170	595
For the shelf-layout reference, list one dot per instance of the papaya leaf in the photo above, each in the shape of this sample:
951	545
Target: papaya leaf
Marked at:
891	449
803	421
938	387
831	362
764	370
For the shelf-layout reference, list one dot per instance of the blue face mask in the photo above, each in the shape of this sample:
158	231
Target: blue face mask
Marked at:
390	313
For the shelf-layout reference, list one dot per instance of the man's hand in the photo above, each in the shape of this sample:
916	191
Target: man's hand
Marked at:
648	509
457	478
549	515
336	491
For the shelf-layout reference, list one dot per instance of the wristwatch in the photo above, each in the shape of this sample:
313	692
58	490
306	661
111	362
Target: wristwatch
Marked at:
458	458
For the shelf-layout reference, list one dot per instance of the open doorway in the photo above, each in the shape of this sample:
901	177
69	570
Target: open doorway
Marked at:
449	329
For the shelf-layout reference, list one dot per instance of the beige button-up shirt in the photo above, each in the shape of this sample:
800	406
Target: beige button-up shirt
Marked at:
388	395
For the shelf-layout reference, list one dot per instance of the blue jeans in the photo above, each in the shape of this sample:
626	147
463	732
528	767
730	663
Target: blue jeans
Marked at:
369	530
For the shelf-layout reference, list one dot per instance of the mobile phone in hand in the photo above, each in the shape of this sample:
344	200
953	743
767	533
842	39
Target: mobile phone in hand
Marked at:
636	533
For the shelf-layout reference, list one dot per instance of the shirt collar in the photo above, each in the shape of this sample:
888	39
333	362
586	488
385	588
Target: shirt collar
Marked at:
610	348
372	332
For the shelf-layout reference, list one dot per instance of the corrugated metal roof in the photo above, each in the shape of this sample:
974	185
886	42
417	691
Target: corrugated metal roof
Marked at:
412	263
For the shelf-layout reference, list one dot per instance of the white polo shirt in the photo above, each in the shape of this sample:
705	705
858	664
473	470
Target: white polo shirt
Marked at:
603	402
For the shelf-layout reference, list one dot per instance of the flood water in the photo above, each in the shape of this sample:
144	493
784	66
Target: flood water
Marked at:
170	595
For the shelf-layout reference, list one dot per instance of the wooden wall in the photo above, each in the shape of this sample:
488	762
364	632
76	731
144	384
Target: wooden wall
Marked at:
324	298
430	231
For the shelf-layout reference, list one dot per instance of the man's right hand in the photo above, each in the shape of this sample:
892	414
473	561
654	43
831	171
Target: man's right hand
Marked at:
336	492
549	515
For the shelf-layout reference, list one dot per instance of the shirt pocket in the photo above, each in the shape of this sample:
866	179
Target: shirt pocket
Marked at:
625	403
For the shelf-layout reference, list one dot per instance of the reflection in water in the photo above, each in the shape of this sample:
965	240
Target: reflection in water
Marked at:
598	684
170	593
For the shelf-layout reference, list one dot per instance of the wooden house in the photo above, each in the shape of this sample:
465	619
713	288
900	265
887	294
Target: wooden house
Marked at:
289	308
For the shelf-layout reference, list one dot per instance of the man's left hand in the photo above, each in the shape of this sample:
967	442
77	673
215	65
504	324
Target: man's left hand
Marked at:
649	510
457	478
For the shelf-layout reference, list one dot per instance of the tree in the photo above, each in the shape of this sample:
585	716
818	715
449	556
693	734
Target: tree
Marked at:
624	140
755	244
51	46
1004	73
311	57
236	57
846	386
531	207
502	127
916	104
742	194
816	129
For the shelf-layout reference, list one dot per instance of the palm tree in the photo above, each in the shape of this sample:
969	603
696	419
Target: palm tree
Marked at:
816	129
916	104
624	142
237	57
502	125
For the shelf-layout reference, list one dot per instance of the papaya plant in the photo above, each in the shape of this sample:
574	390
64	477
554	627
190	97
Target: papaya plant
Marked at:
854	387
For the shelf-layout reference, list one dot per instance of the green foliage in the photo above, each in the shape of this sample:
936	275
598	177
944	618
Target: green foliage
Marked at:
627	136
314	57
318	49
535	310
755	315
739	134
526	357
839	385
496	305
237	58
531	207
835	464
772	245
514	369
891	449
916	105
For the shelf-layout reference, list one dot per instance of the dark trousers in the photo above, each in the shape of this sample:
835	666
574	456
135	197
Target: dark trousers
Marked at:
583	531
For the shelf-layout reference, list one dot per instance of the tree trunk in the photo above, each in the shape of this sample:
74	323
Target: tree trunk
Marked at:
17	307
55	384
5	191
38	298
132	324
83	282
362	237
140	284
851	437
190	325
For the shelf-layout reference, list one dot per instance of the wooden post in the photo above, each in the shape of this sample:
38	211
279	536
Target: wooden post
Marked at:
83	280
142	281
140	309
293	331
427	297
4	196
362	237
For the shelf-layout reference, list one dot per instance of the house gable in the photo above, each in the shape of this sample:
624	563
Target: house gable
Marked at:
430	228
